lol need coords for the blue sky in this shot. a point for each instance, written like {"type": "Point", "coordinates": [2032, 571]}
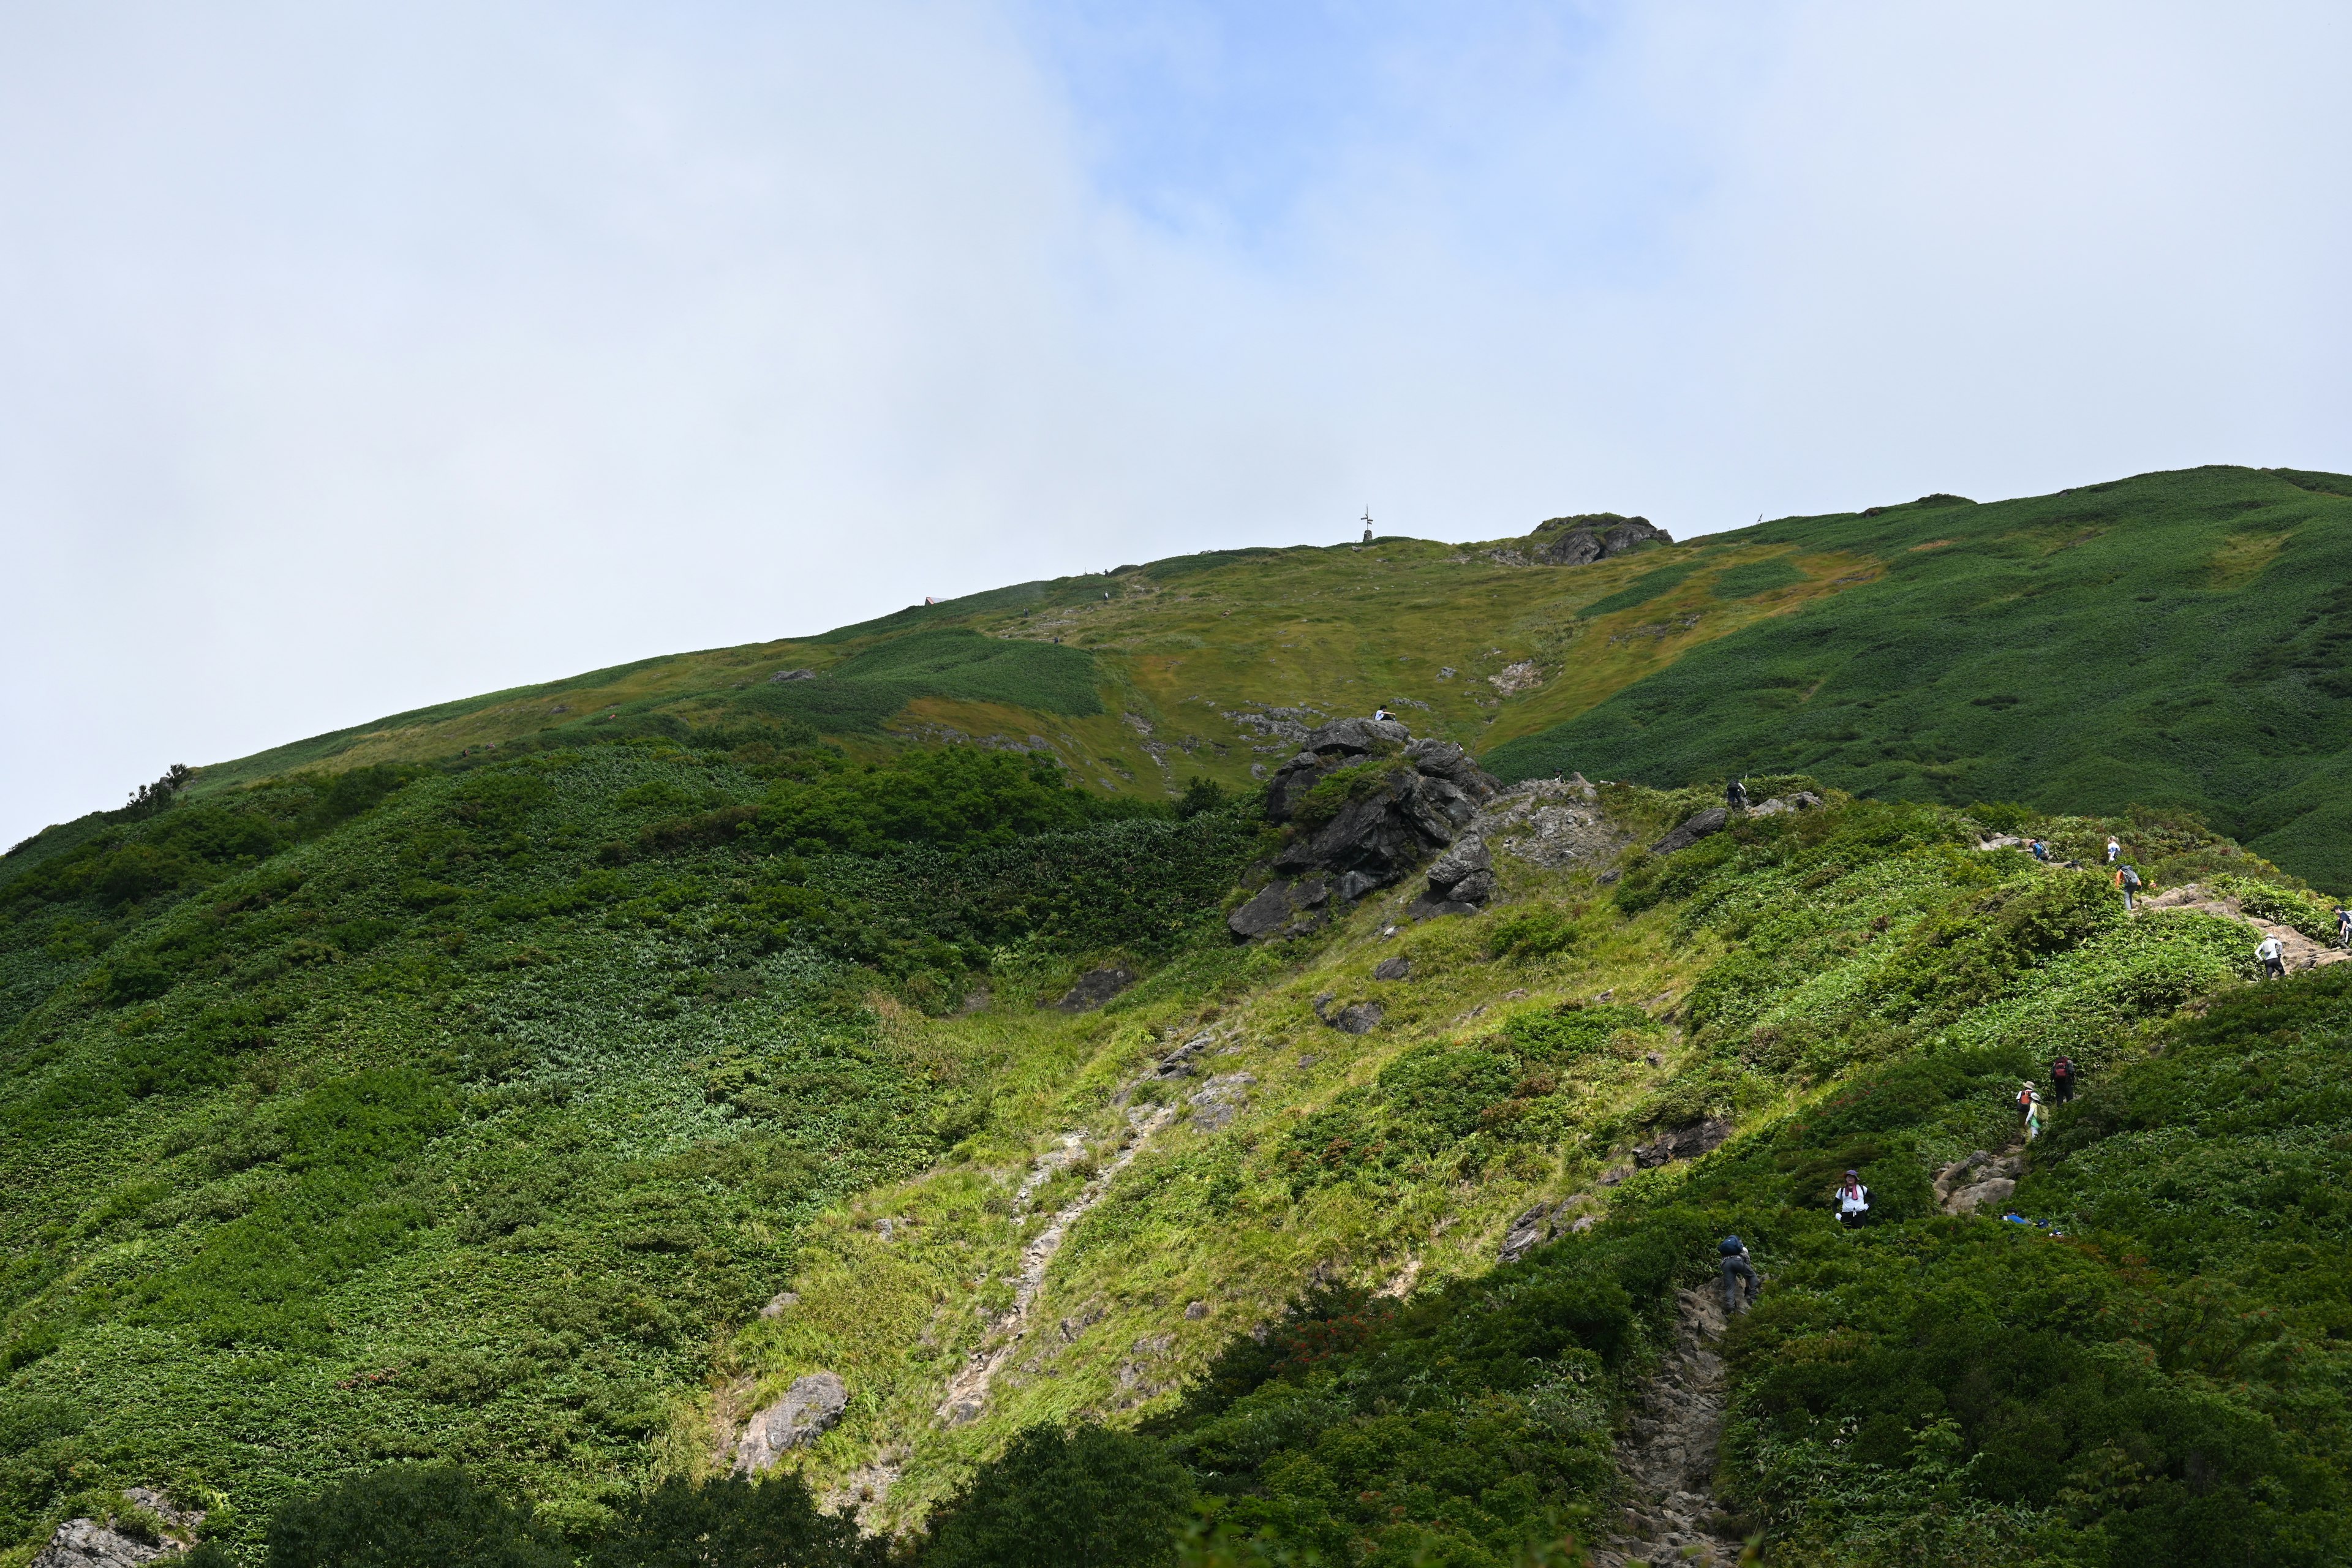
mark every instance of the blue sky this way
{"type": "Point", "coordinates": [360, 357]}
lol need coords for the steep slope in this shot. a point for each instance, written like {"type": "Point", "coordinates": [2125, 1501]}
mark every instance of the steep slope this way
{"type": "Point", "coordinates": [557, 1116]}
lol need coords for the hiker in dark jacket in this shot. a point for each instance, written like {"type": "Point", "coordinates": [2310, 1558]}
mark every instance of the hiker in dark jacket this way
{"type": "Point", "coordinates": [2344, 927]}
{"type": "Point", "coordinates": [1735, 795]}
{"type": "Point", "coordinates": [1737, 1268]}
{"type": "Point", "coordinates": [2062, 1079]}
{"type": "Point", "coordinates": [2128, 881]}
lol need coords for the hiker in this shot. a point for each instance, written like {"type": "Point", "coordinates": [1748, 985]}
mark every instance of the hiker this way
{"type": "Point", "coordinates": [1735, 795]}
{"type": "Point", "coordinates": [2344, 927]}
{"type": "Point", "coordinates": [1737, 1267]}
{"type": "Point", "coordinates": [2062, 1079]}
{"type": "Point", "coordinates": [2115, 851]}
{"type": "Point", "coordinates": [1382, 716]}
{"type": "Point", "coordinates": [2029, 1101]}
{"type": "Point", "coordinates": [2272, 952]}
{"type": "Point", "coordinates": [1852, 1199]}
{"type": "Point", "coordinates": [2128, 881]}
{"type": "Point", "coordinates": [2041, 850]}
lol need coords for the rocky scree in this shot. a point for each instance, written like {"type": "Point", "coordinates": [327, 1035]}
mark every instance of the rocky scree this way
{"type": "Point", "coordinates": [1393, 821]}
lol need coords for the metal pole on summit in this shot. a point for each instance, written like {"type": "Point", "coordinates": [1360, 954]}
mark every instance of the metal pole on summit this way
{"type": "Point", "coordinates": [1367, 525]}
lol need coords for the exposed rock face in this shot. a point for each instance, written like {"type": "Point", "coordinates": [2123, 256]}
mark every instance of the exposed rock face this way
{"type": "Point", "coordinates": [1595, 536]}
{"type": "Point", "coordinates": [1461, 880]}
{"type": "Point", "coordinates": [1219, 1101]}
{"type": "Point", "coordinates": [1093, 988]}
{"type": "Point", "coordinates": [1538, 1225]}
{"type": "Point", "coordinates": [1693, 829]}
{"type": "Point", "coordinates": [1551, 823]}
{"type": "Point", "coordinates": [86, 1544]}
{"type": "Point", "coordinates": [1396, 968]}
{"type": "Point", "coordinates": [794, 675]}
{"type": "Point", "coordinates": [1688, 1143]}
{"type": "Point", "coordinates": [806, 1413]}
{"type": "Point", "coordinates": [1431, 790]}
{"type": "Point", "coordinates": [1982, 1181]}
{"type": "Point", "coordinates": [1802, 800]}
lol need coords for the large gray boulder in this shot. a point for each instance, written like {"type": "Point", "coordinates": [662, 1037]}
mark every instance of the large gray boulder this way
{"type": "Point", "coordinates": [1686, 1143]}
{"type": "Point", "coordinates": [86, 1544]}
{"type": "Point", "coordinates": [1461, 880]}
{"type": "Point", "coordinates": [1694, 828]}
{"type": "Point", "coordinates": [806, 1413]}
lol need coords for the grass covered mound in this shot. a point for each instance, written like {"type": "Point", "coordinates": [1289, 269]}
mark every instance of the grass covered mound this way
{"type": "Point", "coordinates": [2175, 639]}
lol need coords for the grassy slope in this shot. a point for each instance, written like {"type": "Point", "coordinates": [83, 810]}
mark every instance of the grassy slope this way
{"type": "Point", "coordinates": [2175, 639]}
{"type": "Point", "coordinates": [436, 1137]}
{"type": "Point", "coordinates": [2172, 639]}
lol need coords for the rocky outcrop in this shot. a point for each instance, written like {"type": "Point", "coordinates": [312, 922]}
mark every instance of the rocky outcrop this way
{"type": "Point", "coordinates": [1551, 823]}
{"type": "Point", "coordinates": [1694, 828]}
{"type": "Point", "coordinates": [1219, 1101]}
{"type": "Point", "coordinates": [1802, 800]}
{"type": "Point", "coordinates": [1355, 1018]}
{"type": "Point", "coordinates": [1982, 1181]}
{"type": "Point", "coordinates": [1595, 536]}
{"type": "Point", "coordinates": [806, 1413]}
{"type": "Point", "coordinates": [86, 1544]}
{"type": "Point", "coordinates": [1541, 1223]}
{"type": "Point", "coordinates": [1688, 1143]}
{"type": "Point", "coordinates": [1093, 988]}
{"type": "Point", "coordinates": [1461, 880]}
{"type": "Point", "coordinates": [1426, 792]}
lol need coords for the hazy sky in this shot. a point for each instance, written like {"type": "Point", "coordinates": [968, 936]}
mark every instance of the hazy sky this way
{"type": "Point", "coordinates": [356, 357]}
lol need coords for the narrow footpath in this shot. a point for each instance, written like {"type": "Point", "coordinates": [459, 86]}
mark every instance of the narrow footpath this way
{"type": "Point", "coordinates": [1668, 1453]}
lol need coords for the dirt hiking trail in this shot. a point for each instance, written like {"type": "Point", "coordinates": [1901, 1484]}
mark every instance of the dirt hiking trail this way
{"type": "Point", "coordinates": [1669, 1449]}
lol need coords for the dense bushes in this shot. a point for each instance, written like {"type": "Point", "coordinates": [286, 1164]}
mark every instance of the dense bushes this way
{"type": "Point", "coordinates": [1089, 1498]}
{"type": "Point", "coordinates": [1469, 1427]}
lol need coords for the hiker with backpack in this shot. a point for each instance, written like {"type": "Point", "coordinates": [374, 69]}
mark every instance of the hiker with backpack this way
{"type": "Point", "coordinates": [2344, 927]}
{"type": "Point", "coordinates": [1735, 795]}
{"type": "Point", "coordinates": [2272, 952]}
{"type": "Point", "coordinates": [2128, 881]}
{"type": "Point", "coordinates": [2062, 1079]}
{"type": "Point", "coordinates": [2029, 1101]}
{"type": "Point", "coordinates": [2041, 850]}
{"type": "Point", "coordinates": [2114, 849]}
{"type": "Point", "coordinates": [1852, 1200]}
{"type": "Point", "coordinates": [1737, 1268]}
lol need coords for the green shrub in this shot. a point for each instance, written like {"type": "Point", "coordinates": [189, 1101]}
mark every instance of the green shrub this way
{"type": "Point", "coordinates": [1337, 791]}
{"type": "Point", "coordinates": [410, 1516]}
{"type": "Point", "coordinates": [731, 1523]}
{"type": "Point", "coordinates": [1534, 930]}
{"type": "Point", "coordinates": [1087, 1498]}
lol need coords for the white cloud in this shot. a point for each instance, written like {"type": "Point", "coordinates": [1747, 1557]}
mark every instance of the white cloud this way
{"type": "Point", "coordinates": [358, 358]}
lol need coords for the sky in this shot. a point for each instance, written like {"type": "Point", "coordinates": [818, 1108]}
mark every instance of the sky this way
{"type": "Point", "coordinates": [358, 357]}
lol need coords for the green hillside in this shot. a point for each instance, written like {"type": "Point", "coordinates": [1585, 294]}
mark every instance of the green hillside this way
{"type": "Point", "coordinates": [405, 1134]}
{"type": "Point", "coordinates": [2174, 639]}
